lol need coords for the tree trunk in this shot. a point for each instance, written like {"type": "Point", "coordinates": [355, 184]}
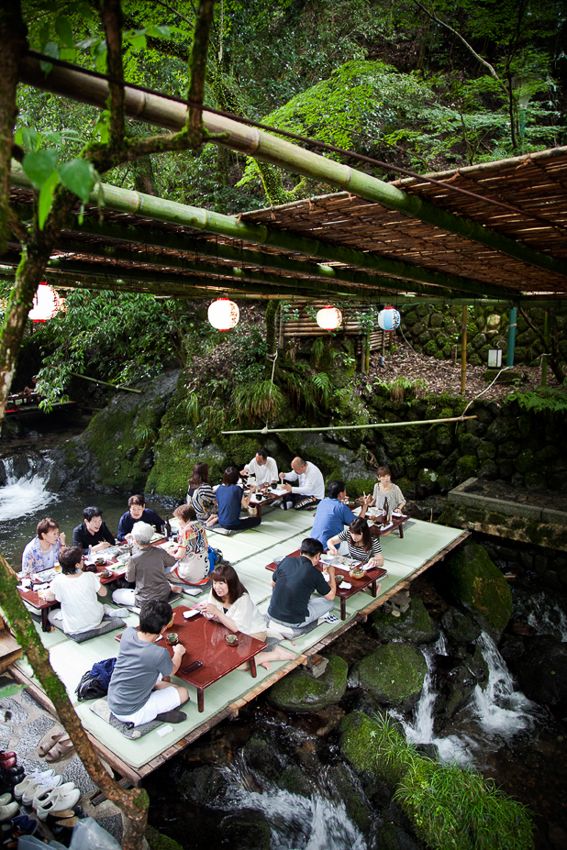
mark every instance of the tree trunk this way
{"type": "Point", "coordinates": [13, 41]}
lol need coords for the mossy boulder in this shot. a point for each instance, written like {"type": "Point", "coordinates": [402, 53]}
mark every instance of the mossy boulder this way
{"type": "Point", "coordinates": [477, 584]}
{"type": "Point", "coordinates": [300, 692]}
{"type": "Point", "coordinates": [413, 626]}
{"type": "Point", "coordinates": [393, 673]}
{"type": "Point", "coordinates": [158, 841]}
{"type": "Point", "coordinates": [459, 627]}
{"type": "Point", "coordinates": [359, 743]}
{"type": "Point", "coordinates": [246, 831]}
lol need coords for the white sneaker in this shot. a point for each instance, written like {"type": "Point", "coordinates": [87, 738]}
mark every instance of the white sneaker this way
{"type": "Point", "coordinates": [32, 779]}
{"type": "Point", "coordinates": [41, 786]}
{"type": "Point", "coordinates": [58, 801]}
{"type": "Point", "coordinates": [9, 811]}
{"type": "Point", "coordinates": [43, 795]}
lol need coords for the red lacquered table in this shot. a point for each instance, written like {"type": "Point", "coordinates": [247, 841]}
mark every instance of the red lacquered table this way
{"type": "Point", "coordinates": [370, 579]}
{"type": "Point", "coordinates": [205, 641]}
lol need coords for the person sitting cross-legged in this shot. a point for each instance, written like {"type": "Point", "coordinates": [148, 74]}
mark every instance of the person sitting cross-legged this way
{"type": "Point", "coordinates": [77, 592]}
{"type": "Point", "coordinates": [137, 692]}
{"type": "Point", "coordinates": [231, 500]}
{"type": "Point", "coordinates": [138, 512]}
{"type": "Point", "coordinates": [309, 486]}
{"type": "Point", "coordinates": [293, 582]}
{"type": "Point", "coordinates": [147, 570]}
{"type": "Point", "coordinates": [333, 514]}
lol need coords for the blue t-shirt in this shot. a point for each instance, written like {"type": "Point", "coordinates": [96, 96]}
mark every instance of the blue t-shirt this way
{"type": "Point", "coordinates": [330, 519]}
{"type": "Point", "coordinates": [229, 498]}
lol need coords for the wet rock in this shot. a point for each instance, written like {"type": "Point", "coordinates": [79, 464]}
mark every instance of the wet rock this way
{"type": "Point", "coordinates": [414, 626]}
{"type": "Point", "coordinates": [351, 792]}
{"type": "Point", "coordinates": [248, 831]}
{"type": "Point", "coordinates": [459, 627]}
{"type": "Point", "coordinates": [393, 837]}
{"type": "Point", "coordinates": [260, 755]}
{"type": "Point", "coordinates": [201, 785]}
{"type": "Point", "coordinates": [300, 692]}
{"type": "Point", "coordinates": [394, 674]}
{"type": "Point", "coordinates": [546, 683]}
{"type": "Point", "coordinates": [456, 684]}
{"type": "Point", "coordinates": [357, 744]}
{"type": "Point", "coordinates": [476, 582]}
{"type": "Point", "coordinates": [294, 780]}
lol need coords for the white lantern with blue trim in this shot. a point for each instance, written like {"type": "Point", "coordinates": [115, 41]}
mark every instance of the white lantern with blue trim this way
{"type": "Point", "coordinates": [389, 318]}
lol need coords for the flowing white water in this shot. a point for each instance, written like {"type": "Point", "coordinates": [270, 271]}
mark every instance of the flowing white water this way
{"type": "Point", "coordinates": [23, 496]}
{"type": "Point", "coordinates": [500, 708]}
{"type": "Point", "coordinates": [420, 730]}
{"type": "Point", "coordinates": [546, 617]}
{"type": "Point", "coordinates": [296, 822]}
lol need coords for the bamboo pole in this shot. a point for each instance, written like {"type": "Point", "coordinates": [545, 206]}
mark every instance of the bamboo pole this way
{"type": "Point", "coordinates": [154, 109]}
{"type": "Point", "coordinates": [148, 206]}
{"type": "Point", "coordinates": [353, 427]}
{"type": "Point", "coordinates": [464, 319]}
{"type": "Point", "coordinates": [106, 383]}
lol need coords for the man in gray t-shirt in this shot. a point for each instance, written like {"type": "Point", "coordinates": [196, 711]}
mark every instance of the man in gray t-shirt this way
{"type": "Point", "coordinates": [147, 570]}
{"type": "Point", "coordinates": [136, 693]}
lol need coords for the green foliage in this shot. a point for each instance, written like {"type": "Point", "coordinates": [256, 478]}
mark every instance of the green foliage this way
{"type": "Point", "coordinates": [120, 338]}
{"type": "Point", "coordinates": [259, 400]}
{"type": "Point", "coordinates": [402, 388]}
{"type": "Point", "coordinates": [543, 400]}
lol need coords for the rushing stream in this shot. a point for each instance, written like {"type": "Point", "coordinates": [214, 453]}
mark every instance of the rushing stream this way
{"type": "Point", "coordinates": [496, 716]}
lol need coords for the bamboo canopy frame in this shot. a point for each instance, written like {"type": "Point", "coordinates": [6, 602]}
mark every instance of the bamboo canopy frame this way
{"type": "Point", "coordinates": [377, 241]}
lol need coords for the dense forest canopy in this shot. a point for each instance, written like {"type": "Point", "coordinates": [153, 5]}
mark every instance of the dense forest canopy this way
{"type": "Point", "coordinates": [424, 85]}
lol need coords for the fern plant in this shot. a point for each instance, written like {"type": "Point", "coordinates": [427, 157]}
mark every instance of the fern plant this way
{"type": "Point", "coordinates": [258, 400]}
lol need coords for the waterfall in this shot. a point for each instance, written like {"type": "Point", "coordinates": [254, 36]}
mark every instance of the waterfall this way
{"type": "Point", "coordinates": [546, 617]}
{"type": "Point", "coordinates": [296, 822]}
{"type": "Point", "coordinates": [420, 730]}
{"type": "Point", "coordinates": [28, 493]}
{"type": "Point", "coordinates": [501, 709]}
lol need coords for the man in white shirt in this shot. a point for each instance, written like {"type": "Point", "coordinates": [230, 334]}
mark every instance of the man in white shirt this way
{"type": "Point", "coordinates": [263, 467]}
{"type": "Point", "coordinates": [310, 487]}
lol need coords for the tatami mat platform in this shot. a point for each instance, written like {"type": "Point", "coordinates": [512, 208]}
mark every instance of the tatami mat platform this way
{"type": "Point", "coordinates": [280, 533]}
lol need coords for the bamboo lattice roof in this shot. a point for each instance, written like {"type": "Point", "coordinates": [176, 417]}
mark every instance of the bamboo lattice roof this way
{"type": "Point", "coordinates": [523, 199]}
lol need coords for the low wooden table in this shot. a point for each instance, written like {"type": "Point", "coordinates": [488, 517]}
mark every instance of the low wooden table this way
{"type": "Point", "coordinates": [266, 502]}
{"type": "Point", "coordinates": [33, 598]}
{"type": "Point", "coordinates": [205, 641]}
{"type": "Point", "coordinates": [375, 521]}
{"type": "Point", "coordinates": [370, 579]}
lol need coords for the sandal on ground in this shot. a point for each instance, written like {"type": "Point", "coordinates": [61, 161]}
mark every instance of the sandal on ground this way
{"type": "Point", "coordinates": [48, 741]}
{"type": "Point", "coordinates": [62, 749]}
{"type": "Point", "coordinates": [173, 716]}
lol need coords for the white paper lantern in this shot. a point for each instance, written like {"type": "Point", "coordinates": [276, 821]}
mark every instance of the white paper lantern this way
{"type": "Point", "coordinates": [389, 319]}
{"type": "Point", "coordinates": [329, 318]}
{"type": "Point", "coordinates": [46, 304]}
{"type": "Point", "coordinates": [223, 314]}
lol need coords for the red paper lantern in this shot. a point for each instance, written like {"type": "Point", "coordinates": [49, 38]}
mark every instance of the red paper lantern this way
{"type": "Point", "coordinates": [223, 314]}
{"type": "Point", "coordinates": [329, 318]}
{"type": "Point", "coordinates": [46, 304]}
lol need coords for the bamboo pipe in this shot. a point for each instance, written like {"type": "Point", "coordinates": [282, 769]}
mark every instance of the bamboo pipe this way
{"type": "Point", "coordinates": [267, 430]}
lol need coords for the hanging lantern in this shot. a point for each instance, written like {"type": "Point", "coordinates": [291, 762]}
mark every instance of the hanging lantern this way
{"type": "Point", "coordinates": [389, 318]}
{"type": "Point", "coordinates": [329, 318]}
{"type": "Point", "coordinates": [46, 304]}
{"type": "Point", "coordinates": [223, 314]}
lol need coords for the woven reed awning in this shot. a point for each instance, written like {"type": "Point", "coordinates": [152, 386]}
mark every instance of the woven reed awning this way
{"type": "Point", "coordinates": [336, 245]}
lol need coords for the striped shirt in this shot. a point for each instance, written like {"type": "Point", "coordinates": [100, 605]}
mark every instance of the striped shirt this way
{"type": "Point", "coordinates": [357, 551]}
{"type": "Point", "coordinates": [202, 498]}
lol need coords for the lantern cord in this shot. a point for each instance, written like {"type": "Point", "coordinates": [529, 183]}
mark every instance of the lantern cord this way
{"type": "Point", "coordinates": [266, 430]}
{"type": "Point", "coordinates": [482, 392]}
{"type": "Point", "coordinates": [273, 357]}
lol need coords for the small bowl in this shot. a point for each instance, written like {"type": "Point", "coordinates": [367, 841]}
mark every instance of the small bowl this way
{"type": "Point", "coordinates": [106, 574]}
{"type": "Point", "coordinates": [231, 640]}
{"type": "Point", "coordinates": [339, 579]}
{"type": "Point", "coordinates": [172, 638]}
{"type": "Point", "coordinates": [100, 561]}
{"type": "Point", "coordinates": [357, 573]}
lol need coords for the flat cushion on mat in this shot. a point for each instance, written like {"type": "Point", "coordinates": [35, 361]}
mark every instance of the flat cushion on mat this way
{"type": "Point", "coordinates": [106, 626]}
{"type": "Point", "coordinates": [101, 709]}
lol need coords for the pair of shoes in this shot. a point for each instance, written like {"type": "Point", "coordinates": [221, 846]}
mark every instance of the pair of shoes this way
{"type": "Point", "coordinates": [8, 811]}
{"type": "Point", "coordinates": [173, 716]}
{"type": "Point", "coordinates": [34, 776]}
{"type": "Point", "coordinates": [61, 799]}
{"type": "Point", "coordinates": [329, 618]}
{"type": "Point", "coordinates": [28, 791]}
{"type": "Point", "coordinates": [5, 799]}
{"type": "Point", "coordinates": [49, 740]}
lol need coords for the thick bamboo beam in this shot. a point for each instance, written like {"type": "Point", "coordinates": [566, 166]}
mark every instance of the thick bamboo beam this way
{"type": "Point", "coordinates": [371, 290]}
{"type": "Point", "coordinates": [148, 206]}
{"type": "Point", "coordinates": [167, 113]}
{"type": "Point", "coordinates": [244, 255]}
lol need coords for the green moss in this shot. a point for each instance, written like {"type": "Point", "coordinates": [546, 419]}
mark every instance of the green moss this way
{"type": "Point", "coordinates": [358, 486]}
{"type": "Point", "coordinates": [415, 625]}
{"type": "Point", "coordinates": [158, 841]}
{"type": "Point", "coordinates": [393, 673]}
{"type": "Point", "coordinates": [301, 692]}
{"type": "Point", "coordinates": [478, 584]}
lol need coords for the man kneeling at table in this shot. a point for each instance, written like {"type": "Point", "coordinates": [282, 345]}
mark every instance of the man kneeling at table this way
{"type": "Point", "coordinates": [137, 693]}
{"type": "Point", "coordinates": [147, 570]}
{"type": "Point", "coordinates": [77, 592]}
{"type": "Point", "coordinates": [333, 514]}
{"type": "Point", "coordinates": [293, 582]}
